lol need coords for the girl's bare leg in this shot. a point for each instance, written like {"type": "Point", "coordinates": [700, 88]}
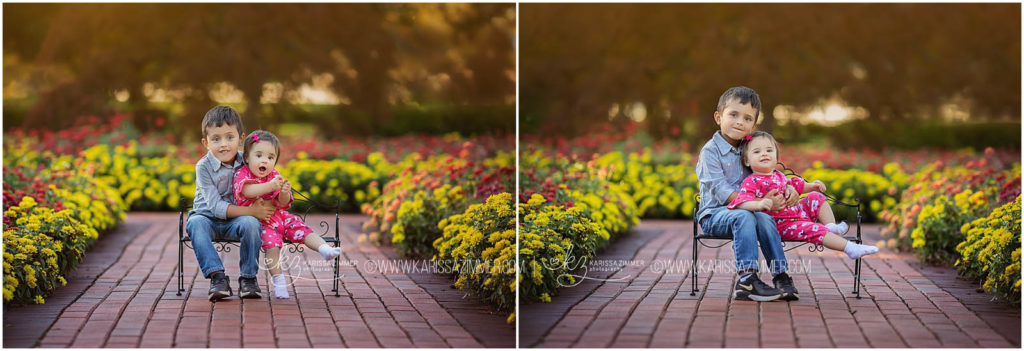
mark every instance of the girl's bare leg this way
{"type": "Point", "coordinates": [273, 261]}
{"type": "Point", "coordinates": [825, 215]}
{"type": "Point", "coordinates": [834, 242]}
{"type": "Point", "coordinates": [313, 241]}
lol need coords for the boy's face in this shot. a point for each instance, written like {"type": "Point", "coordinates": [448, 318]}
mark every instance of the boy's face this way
{"type": "Point", "coordinates": [736, 120]}
{"type": "Point", "coordinates": [761, 155]}
{"type": "Point", "coordinates": [223, 142]}
{"type": "Point", "coordinates": [262, 158]}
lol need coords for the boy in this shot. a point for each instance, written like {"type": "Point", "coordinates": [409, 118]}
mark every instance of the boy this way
{"type": "Point", "coordinates": [720, 173]}
{"type": "Point", "coordinates": [214, 215]}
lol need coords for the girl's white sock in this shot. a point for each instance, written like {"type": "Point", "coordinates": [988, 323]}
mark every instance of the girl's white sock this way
{"type": "Point", "coordinates": [280, 287]}
{"type": "Point", "coordinates": [855, 250]}
{"type": "Point", "coordinates": [328, 251]}
{"type": "Point", "coordinates": [838, 228]}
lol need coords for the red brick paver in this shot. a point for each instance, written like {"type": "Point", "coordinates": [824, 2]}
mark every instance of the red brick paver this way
{"type": "Point", "coordinates": [133, 303]}
{"type": "Point", "coordinates": [646, 303]}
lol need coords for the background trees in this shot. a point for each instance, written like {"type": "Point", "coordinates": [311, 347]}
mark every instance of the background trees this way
{"type": "Point", "coordinates": [359, 64]}
{"type": "Point", "coordinates": [902, 63]}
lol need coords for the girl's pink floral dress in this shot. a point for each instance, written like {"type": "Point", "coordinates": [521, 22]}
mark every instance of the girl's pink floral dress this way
{"type": "Point", "coordinates": [281, 225]}
{"type": "Point", "coordinates": [794, 223]}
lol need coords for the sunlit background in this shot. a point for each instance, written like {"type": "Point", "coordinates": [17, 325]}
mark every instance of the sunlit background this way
{"type": "Point", "coordinates": [337, 69]}
{"type": "Point", "coordinates": [850, 75]}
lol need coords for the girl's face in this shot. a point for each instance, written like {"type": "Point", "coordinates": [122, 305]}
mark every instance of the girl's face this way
{"type": "Point", "coordinates": [761, 155]}
{"type": "Point", "coordinates": [262, 158]}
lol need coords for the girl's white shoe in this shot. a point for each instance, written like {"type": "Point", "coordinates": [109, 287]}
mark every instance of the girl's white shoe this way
{"type": "Point", "coordinates": [280, 287]}
{"type": "Point", "coordinates": [329, 252]}
{"type": "Point", "coordinates": [838, 228]}
{"type": "Point", "coordinates": [855, 251]}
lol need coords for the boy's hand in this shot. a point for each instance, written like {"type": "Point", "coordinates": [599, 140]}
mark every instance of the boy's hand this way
{"type": "Point", "coordinates": [262, 210]}
{"type": "Point", "coordinates": [778, 201]}
{"type": "Point", "coordinates": [276, 182]}
{"type": "Point", "coordinates": [818, 186]}
{"type": "Point", "coordinates": [792, 196]}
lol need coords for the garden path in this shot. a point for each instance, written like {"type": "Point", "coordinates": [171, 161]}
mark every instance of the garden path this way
{"type": "Point", "coordinates": [123, 294]}
{"type": "Point", "coordinates": [640, 300]}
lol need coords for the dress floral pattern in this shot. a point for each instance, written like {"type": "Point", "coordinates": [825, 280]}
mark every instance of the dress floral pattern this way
{"type": "Point", "coordinates": [793, 223]}
{"type": "Point", "coordinates": [282, 225]}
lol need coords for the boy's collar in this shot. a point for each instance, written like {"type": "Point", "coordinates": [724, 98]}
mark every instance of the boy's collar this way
{"type": "Point", "coordinates": [723, 146]}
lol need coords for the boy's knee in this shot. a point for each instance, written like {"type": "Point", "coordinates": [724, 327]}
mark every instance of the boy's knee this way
{"type": "Point", "coordinates": [763, 218]}
{"type": "Point", "coordinates": [250, 225]}
{"type": "Point", "coordinates": [741, 215]}
{"type": "Point", "coordinates": [198, 224]}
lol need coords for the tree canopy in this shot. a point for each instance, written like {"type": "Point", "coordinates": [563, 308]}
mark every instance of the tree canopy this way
{"type": "Point", "coordinates": [897, 61]}
{"type": "Point", "coordinates": [74, 58]}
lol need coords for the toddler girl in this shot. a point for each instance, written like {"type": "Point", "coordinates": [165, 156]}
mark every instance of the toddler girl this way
{"type": "Point", "coordinates": [760, 153]}
{"type": "Point", "coordinates": [258, 179]}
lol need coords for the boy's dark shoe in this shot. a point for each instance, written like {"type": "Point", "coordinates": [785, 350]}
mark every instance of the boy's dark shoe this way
{"type": "Point", "coordinates": [219, 286]}
{"type": "Point", "coordinates": [248, 288]}
{"type": "Point", "coordinates": [750, 287]}
{"type": "Point", "coordinates": [783, 282]}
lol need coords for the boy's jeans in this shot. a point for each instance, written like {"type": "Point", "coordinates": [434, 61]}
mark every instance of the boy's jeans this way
{"type": "Point", "coordinates": [747, 229]}
{"type": "Point", "coordinates": [245, 229]}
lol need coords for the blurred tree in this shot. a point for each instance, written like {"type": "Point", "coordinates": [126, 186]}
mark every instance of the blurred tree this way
{"type": "Point", "coordinates": [83, 55]}
{"type": "Point", "coordinates": [899, 61]}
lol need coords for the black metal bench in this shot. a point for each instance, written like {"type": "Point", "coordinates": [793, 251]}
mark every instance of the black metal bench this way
{"type": "Point", "coordinates": [300, 207]}
{"type": "Point", "coordinates": [699, 237]}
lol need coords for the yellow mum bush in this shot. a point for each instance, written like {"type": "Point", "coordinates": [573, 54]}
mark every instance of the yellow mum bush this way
{"type": "Point", "coordinates": [938, 201]}
{"type": "Point", "coordinates": [42, 244]}
{"type": "Point", "coordinates": [411, 206]}
{"type": "Point", "coordinates": [876, 192]}
{"type": "Point", "coordinates": [554, 242]}
{"type": "Point", "coordinates": [991, 251]}
{"type": "Point", "coordinates": [479, 246]}
{"type": "Point", "coordinates": [659, 190]}
{"type": "Point", "coordinates": [569, 211]}
{"type": "Point", "coordinates": [330, 182]}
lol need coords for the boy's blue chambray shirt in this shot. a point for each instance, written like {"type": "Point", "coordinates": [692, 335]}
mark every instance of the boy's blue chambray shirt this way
{"type": "Point", "coordinates": [214, 186]}
{"type": "Point", "coordinates": [720, 173]}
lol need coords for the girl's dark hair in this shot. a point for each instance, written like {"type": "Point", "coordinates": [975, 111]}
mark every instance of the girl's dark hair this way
{"type": "Point", "coordinates": [263, 136]}
{"type": "Point", "coordinates": [745, 144]}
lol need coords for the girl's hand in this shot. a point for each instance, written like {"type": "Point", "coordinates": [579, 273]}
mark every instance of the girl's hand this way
{"type": "Point", "coordinates": [765, 205]}
{"type": "Point", "coordinates": [276, 182]}
{"type": "Point", "coordinates": [818, 185]}
{"type": "Point", "coordinates": [286, 187]}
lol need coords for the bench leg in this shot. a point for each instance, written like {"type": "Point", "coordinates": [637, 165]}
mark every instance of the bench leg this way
{"type": "Point", "coordinates": [856, 278]}
{"type": "Point", "coordinates": [181, 270]}
{"type": "Point", "coordinates": [693, 268]}
{"type": "Point", "coordinates": [337, 260]}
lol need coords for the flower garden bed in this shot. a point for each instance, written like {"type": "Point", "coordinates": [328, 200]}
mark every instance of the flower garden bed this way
{"type": "Point", "coordinates": [52, 214]}
{"type": "Point", "coordinates": [925, 203]}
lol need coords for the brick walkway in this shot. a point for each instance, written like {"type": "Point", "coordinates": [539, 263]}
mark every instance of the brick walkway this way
{"type": "Point", "coordinates": [640, 301]}
{"type": "Point", "coordinates": [123, 295]}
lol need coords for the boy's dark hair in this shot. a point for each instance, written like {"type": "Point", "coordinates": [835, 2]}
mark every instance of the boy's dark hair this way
{"type": "Point", "coordinates": [745, 144]}
{"type": "Point", "coordinates": [221, 115]}
{"type": "Point", "coordinates": [745, 95]}
{"type": "Point", "coordinates": [263, 136]}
